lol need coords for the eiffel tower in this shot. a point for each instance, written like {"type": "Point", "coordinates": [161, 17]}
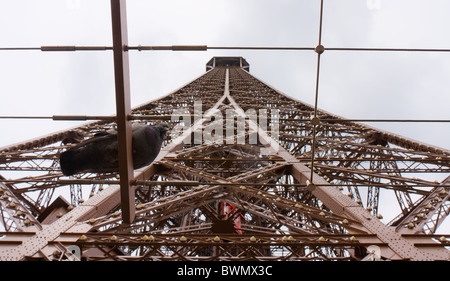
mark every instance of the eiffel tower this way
{"type": "Point", "coordinates": [247, 173]}
{"type": "Point", "coordinates": [212, 195]}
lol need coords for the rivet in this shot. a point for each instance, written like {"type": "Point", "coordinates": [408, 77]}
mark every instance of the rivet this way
{"type": "Point", "coordinates": [148, 238]}
{"type": "Point", "coordinates": [315, 120]}
{"type": "Point", "coordinates": [310, 186]}
{"type": "Point", "coordinates": [320, 49]}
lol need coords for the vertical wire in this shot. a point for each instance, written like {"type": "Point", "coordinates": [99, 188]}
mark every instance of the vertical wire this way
{"type": "Point", "coordinates": [320, 22]}
{"type": "Point", "coordinates": [316, 93]}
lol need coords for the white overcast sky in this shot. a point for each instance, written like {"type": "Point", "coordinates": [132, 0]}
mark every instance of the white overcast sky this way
{"type": "Point", "coordinates": [406, 85]}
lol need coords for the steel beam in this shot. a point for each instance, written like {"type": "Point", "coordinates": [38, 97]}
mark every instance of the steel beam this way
{"type": "Point", "coordinates": [37, 242]}
{"type": "Point", "coordinates": [123, 108]}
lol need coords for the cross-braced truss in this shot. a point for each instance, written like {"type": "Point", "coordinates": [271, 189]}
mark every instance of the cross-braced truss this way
{"type": "Point", "coordinates": [289, 188]}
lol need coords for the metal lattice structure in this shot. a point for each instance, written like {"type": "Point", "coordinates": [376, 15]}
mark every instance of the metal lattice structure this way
{"type": "Point", "coordinates": [287, 182]}
{"type": "Point", "coordinates": [229, 201]}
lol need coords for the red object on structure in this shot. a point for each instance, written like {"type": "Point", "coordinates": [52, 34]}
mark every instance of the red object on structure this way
{"type": "Point", "coordinates": [227, 209]}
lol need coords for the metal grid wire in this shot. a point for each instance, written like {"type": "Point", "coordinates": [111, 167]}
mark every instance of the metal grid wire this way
{"type": "Point", "coordinates": [319, 49]}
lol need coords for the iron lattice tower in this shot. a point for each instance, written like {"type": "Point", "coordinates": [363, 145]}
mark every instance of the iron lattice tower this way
{"type": "Point", "coordinates": [318, 195]}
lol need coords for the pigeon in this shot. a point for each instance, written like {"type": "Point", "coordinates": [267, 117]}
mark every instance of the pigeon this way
{"type": "Point", "coordinates": [99, 154]}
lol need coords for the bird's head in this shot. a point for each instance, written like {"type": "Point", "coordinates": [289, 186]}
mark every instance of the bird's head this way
{"type": "Point", "coordinates": [163, 128]}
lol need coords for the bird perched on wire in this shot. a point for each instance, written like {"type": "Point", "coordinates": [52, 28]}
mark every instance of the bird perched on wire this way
{"type": "Point", "coordinates": [99, 154]}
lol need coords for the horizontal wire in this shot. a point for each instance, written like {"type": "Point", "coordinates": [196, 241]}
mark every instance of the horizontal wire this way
{"type": "Point", "coordinates": [263, 48]}
{"type": "Point", "coordinates": [62, 117]}
{"type": "Point", "coordinates": [389, 49]}
{"type": "Point", "coordinates": [149, 48]}
{"type": "Point", "coordinates": [20, 49]}
{"type": "Point", "coordinates": [168, 117]}
{"type": "Point", "coordinates": [389, 120]}
{"type": "Point", "coordinates": [92, 117]}
{"type": "Point", "coordinates": [58, 48]}
{"type": "Point", "coordinates": [205, 48]}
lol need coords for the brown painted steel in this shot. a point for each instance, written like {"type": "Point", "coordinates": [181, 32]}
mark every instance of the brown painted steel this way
{"type": "Point", "coordinates": [277, 214]}
{"type": "Point", "coordinates": [123, 107]}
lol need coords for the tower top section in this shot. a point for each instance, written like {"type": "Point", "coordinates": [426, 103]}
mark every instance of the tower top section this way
{"type": "Point", "coordinates": [227, 61]}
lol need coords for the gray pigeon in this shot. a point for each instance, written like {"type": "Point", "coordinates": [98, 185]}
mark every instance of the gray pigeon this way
{"type": "Point", "coordinates": [99, 154]}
